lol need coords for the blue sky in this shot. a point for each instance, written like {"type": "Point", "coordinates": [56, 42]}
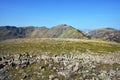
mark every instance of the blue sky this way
{"type": "Point", "coordinates": [81, 14]}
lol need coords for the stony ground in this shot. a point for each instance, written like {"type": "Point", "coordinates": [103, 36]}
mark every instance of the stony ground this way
{"type": "Point", "coordinates": [59, 59]}
{"type": "Point", "coordinates": [73, 66]}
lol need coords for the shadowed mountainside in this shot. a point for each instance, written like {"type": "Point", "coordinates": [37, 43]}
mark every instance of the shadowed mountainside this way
{"type": "Point", "coordinates": [108, 34]}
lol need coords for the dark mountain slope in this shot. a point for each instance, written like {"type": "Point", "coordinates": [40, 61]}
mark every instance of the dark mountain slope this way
{"type": "Point", "coordinates": [9, 32]}
{"type": "Point", "coordinates": [109, 34]}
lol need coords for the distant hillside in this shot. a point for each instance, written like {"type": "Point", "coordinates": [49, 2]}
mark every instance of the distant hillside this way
{"type": "Point", "coordinates": [64, 31]}
{"type": "Point", "coordinates": [10, 32]}
{"type": "Point", "coordinates": [109, 34]}
{"type": "Point", "coordinates": [59, 31]}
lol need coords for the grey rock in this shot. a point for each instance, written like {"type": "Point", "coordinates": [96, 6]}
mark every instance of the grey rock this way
{"type": "Point", "coordinates": [4, 75]}
{"type": "Point", "coordinates": [53, 77]}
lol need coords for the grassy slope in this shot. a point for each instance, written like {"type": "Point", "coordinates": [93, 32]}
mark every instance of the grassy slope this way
{"type": "Point", "coordinates": [73, 33]}
{"type": "Point", "coordinates": [37, 46]}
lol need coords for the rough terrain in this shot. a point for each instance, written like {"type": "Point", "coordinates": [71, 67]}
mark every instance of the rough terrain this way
{"type": "Point", "coordinates": [74, 66]}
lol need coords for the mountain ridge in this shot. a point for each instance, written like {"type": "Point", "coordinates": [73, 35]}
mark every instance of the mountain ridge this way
{"type": "Point", "coordinates": [58, 31]}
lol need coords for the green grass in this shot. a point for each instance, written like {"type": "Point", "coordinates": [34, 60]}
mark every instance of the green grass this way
{"type": "Point", "coordinates": [38, 46]}
{"type": "Point", "coordinates": [108, 66]}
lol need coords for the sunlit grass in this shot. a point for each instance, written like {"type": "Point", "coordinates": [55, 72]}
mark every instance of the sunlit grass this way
{"type": "Point", "coordinates": [38, 46]}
